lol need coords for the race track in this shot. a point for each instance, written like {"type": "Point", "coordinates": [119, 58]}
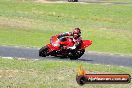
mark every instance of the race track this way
{"type": "Point", "coordinates": [32, 53]}
{"type": "Point", "coordinates": [93, 1]}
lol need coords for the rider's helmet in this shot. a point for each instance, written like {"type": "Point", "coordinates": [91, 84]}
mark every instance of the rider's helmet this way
{"type": "Point", "coordinates": [76, 33]}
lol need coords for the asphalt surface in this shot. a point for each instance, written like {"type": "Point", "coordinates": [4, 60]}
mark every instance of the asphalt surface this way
{"type": "Point", "coordinates": [95, 1]}
{"type": "Point", "coordinates": [109, 2]}
{"type": "Point", "coordinates": [32, 53]}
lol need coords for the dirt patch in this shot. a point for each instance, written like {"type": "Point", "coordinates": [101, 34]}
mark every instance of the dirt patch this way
{"type": "Point", "coordinates": [42, 1]}
{"type": "Point", "coordinates": [46, 1]}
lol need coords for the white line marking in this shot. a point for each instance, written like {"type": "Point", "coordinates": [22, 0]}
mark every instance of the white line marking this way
{"type": "Point", "coordinates": [18, 58]}
{"type": "Point", "coordinates": [8, 57]}
{"type": "Point", "coordinates": [35, 59]}
{"type": "Point", "coordinates": [122, 66]}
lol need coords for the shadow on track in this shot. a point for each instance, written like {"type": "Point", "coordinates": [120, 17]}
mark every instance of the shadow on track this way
{"type": "Point", "coordinates": [65, 59]}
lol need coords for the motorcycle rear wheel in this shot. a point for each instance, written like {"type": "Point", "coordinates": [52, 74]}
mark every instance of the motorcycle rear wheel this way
{"type": "Point", "coordinates": [77, 55]}
{"type": "Point", "coordinates": [81, 53]}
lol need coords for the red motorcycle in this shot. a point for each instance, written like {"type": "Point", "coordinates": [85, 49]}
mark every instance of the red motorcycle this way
{"type": "Point", "coordinates": [56, 48]}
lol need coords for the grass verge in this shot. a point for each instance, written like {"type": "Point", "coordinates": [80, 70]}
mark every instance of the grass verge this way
{"type": "Point", "coordinates": [52, 74]}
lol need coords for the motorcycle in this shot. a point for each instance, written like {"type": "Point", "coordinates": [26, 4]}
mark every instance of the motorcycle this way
{"type": "Point", "coordinates": [56, 48]}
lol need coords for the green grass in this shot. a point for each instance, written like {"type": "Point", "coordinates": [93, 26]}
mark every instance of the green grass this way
{"type": "Point", "coordinates": [52, 74]}
{"type": "Point", "coordinates": [26, 23]}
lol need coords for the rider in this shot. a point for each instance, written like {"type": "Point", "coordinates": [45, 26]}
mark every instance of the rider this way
{"type": "Point", "coordinates": [77, 38]}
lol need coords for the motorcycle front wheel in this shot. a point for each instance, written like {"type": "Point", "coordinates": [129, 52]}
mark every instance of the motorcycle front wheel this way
{"type": "Point", "coordinates": [43, 51]}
